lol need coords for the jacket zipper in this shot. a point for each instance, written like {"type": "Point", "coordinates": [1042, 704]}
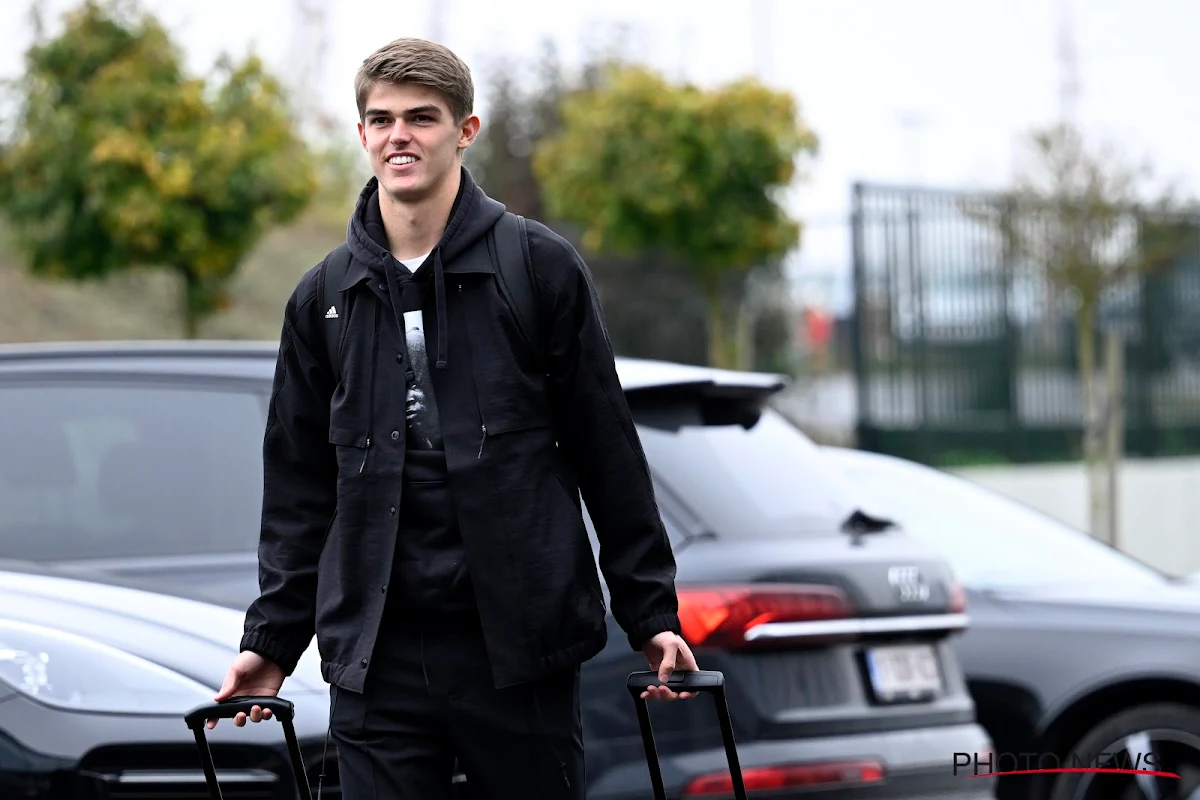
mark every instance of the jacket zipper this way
{"type": "Point", "coordinates": [479, 410]}
{"type": "Point", "coordinates": [371, 396]}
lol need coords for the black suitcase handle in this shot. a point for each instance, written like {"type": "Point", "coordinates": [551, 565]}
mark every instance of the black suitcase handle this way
{"type": "Point", "coordinates": [707, 681]}
{"type": "Point", "coordinates": [281, 709]}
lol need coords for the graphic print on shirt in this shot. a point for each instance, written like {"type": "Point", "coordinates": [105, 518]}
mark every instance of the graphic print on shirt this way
{"type": "Point", "coordinates": [424, 427]}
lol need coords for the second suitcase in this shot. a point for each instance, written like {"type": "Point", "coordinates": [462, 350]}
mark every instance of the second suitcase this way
{"type": "Point", "coordinates": [708, 682]}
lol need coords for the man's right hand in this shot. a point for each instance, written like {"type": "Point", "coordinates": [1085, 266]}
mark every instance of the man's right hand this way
{"type": "Point", "coordinates": [250, 675]}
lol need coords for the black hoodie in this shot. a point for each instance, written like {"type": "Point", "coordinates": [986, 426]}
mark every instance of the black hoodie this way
{"type": "Point", "coordinates": [348, 530]}
{"type": "Point", "coordinates": [431, 584]}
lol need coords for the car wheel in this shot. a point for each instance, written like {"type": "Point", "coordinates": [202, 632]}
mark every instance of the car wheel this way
{"type": "Point", "coordinates": [1160, 738]}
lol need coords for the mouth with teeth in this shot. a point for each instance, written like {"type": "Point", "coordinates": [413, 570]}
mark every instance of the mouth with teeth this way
{"type": "Point", "coordinates": [402, 161]}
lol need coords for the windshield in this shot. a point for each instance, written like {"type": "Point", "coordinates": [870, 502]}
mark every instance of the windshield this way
{"type": "Point", "coordinates": [91, 471]}
{"type": "Point", "coordinates": [766, 481]}
{"type": "Point", "coordinates": [990, 540]}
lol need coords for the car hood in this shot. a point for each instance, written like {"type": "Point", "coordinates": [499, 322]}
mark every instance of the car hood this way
{"type": "Point", "coordinates": [227, 579]}
{"type": "Point", "coordinates": [193, 638]}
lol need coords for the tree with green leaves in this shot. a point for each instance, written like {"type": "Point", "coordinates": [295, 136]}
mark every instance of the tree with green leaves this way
{"type": "Point", "coordinates": [119, 160]}
{"type": "Point", "coordinates": [641, 164]}
{"type": "Point", "coordinates": [1085, 222]}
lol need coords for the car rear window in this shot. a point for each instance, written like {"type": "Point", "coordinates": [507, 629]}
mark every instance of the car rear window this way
{"type": "Point", "coordinates": [100, 471]}
{"type": "Point", "coordinates": [758, 478]}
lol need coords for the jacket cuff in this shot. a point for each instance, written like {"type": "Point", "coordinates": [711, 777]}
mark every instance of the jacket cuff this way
{"type": "Point", "coordinates": [284, 656]}
{"type": "Point", "coordinates": [647, 629]}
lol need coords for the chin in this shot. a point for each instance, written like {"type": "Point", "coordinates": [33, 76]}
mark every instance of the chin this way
{"type": "Point", "coordinates": [405, 189]}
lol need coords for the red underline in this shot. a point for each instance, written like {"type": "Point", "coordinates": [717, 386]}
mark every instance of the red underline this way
{"type": "Point", "coordinates": [1077, 769]}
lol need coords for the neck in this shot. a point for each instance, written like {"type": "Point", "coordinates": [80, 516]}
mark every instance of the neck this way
{"type": "Point", "coordinates": [414, 229]}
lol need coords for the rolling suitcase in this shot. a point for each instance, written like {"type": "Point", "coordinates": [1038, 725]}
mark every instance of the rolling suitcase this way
{"type": "Point", "coordinates": [281, 710]}
{"type": "Point", "coordinates": [706, 681]}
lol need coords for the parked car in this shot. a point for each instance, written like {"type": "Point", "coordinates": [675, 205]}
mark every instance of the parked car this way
{"type": "Point", "coordinates": [95, 677]}
{"type": "Point", "coordinates": [1077, 653]}
{"type": "Point", "coordinates": [140, 464]}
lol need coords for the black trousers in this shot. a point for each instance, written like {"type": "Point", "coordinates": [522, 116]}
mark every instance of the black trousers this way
{"type": "Point", "coordinates": [429, 699]}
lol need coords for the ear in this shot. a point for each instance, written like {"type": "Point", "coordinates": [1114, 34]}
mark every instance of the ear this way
{"type": "Point", "coordinates": [362, 134]}
{"type": "Point", "coordinates": [468, 131]}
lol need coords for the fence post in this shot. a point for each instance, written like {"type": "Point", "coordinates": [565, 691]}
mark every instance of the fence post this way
{"type": "Point", "coordinates": [859, 337]}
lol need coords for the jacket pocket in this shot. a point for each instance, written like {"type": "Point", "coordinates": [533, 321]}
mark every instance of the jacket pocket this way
{"type": "Point", "coordinates": [511, 394]}
{"type": "Point", "coordinates": [350, 408]}
{"type": "Point", "coordinates": [351, 446]}
{"type": "Point", "coordinates": [354, 437]}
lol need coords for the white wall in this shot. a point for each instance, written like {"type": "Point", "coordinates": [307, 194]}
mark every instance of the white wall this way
{"type": "Point", "coordinates": [1159, 503]}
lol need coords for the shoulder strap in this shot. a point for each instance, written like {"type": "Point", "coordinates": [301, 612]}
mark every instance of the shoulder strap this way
{"type": "Point", "coordinates": [333, 274]}
{"type": "Point", "coordinates": [514, 273]}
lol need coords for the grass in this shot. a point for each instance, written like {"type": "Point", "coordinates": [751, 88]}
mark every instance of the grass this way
{"type": "Point", "coordinates": [144, 304]}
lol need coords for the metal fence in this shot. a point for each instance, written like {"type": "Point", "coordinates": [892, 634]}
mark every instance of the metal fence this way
{"type": "Point", "coordinates": [964, 351]}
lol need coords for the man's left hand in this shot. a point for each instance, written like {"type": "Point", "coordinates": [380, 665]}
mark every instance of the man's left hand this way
{"type": "Point", "coordinates": [667, 652]}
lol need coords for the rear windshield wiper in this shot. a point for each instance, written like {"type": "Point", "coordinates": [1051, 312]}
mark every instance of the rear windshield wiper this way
{"type": "Point", "coordinates": [860, 523]}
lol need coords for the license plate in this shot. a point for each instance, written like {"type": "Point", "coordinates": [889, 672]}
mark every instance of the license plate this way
{"type": "Point", "coordinates": [904, 672]}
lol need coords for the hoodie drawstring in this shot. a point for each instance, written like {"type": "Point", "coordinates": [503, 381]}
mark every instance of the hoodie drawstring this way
{"type": "Point", "coordinates": [398, 315]}
{"type": "Point", "coordinates": [439, 290]}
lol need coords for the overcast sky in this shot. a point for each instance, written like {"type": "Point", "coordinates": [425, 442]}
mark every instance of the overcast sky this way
{"type": "Point", "coordinates": [970, 75]}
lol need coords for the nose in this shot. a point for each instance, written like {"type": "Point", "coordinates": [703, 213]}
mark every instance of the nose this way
{"type": "Point", "coordinates": [399, 132]}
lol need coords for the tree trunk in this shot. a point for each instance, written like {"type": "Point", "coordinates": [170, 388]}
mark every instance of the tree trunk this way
{"type": "Point", "coordinates": [747, 317]}
{"type": "Point", "coordinates": [191, 304]}
{"type": "Point", "coordinates": [1114, 426]}
{"type": "Point", "coordinates": [1093, 424]}
{"type": "Point", "coordinates": [722, 331]}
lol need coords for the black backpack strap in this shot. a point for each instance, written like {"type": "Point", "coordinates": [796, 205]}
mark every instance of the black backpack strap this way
{"type": "Point", "coordinates": [333, 274]}
{"type": "Point", "coordinates": [514, 274]}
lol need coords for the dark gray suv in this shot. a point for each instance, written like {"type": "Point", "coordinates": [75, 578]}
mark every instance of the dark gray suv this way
{"type": "Point", "coordinates": [140, 463]}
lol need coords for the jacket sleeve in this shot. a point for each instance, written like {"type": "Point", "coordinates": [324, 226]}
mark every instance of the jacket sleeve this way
{"type": "Point", "coordinates": [597, 435]}
{"type": "Point", "coordinates": [299, 491]}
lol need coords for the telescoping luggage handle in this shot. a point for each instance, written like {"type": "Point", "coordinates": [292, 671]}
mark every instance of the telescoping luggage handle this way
{"type": "Point", "coordinates": [707, 681]}
{"type": "Point", "coordinates": [281, 709]}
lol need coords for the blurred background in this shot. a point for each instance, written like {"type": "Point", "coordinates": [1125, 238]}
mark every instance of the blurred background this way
{"type": "Point", "coordinates": [966, 229]}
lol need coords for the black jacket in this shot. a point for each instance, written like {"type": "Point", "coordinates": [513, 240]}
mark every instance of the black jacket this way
{"type": "Point", "coordinates": [523, 439]}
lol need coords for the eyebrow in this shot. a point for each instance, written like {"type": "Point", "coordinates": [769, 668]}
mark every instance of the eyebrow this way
{"type": "Point", "coordinates": [377, 112]}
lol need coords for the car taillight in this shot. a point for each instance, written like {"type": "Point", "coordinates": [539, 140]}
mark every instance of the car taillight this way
{"type": "Point", "coordinates": [757, 779]}
{"type": "Point", "coordinates": [720, 616]}
{"type": "Point", "coordinates": [958, 598]}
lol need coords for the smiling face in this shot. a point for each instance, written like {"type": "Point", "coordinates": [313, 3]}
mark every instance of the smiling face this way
{"type": "Point", "coordinates": [413, 140]}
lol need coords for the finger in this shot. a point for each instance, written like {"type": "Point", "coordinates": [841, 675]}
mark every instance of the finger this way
{"type": "Point", "coordinates": [232, 678]}
{"type": "Point", "coordinates": [686, 657]}
{"type": "Point", "coordinates": [239, 720]}
{"type": "Point", "coordinates": [667, 666]}
{"type": "Point", "coordinates": [266, 713]}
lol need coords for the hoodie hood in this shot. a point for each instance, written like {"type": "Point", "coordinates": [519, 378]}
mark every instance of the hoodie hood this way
{"type": "Point", "coordinates": [471, 217]}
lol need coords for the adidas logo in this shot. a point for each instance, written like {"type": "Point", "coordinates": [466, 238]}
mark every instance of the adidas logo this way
{"type": "Point", "coordinates": [331, 313]}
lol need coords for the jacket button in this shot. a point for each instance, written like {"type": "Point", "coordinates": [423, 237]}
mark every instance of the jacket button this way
{"type": "Point", "coordinates": [383, 589]}
{"type": "Point", "coordinates": [392, 511]}
{"type": "Point", "coordinates": [395, 435]}
{"type": "Point", "coordinates": [363, 663]}
{"type": "Point", "coordinates": [399, 358]}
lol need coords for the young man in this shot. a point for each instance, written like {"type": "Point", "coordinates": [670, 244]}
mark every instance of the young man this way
{"type": "Point", "coordinates": [421, 510]}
